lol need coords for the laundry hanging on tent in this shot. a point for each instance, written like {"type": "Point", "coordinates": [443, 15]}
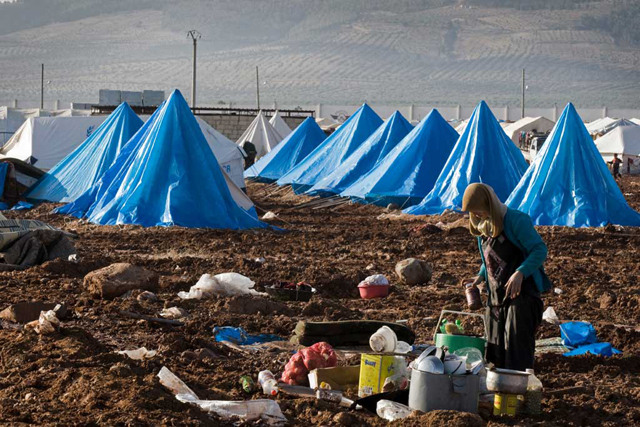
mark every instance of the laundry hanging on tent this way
{"type": "Point", "coordinates": [85, 165]}
{"type": "Point", "coordinates": [288, 153]}
{"type": "Point", "coordinates": [408, 172]}
{"type": "Point", "coordinates": [365, 157]}
{"type": "Point", "coordinates": [483, 153]}
{"type": "Point", "coordinates": [333, 151]}
{"type": "Point", "coordinates": [166, 175]}
{"type": "Point", "coordinates": [568, 182]}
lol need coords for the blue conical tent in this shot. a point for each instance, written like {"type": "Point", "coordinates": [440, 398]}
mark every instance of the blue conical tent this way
{"type": "Point", "coordinates": [365, 157]}
{"type": "Point", "coordinates": [409, 171]}
{"type": "Point", "coordinates": [483, 153]}
{"type": "Point", "coordinates": [288, 153]}
{"type": "Point", "coordinates": [84, 166]}
{"type": "Point", "coordinates": [568, 182]}
{"type": "Point", "coordinates": [333, 151]}
{"type": "Point", "coordinates": [165, 175]}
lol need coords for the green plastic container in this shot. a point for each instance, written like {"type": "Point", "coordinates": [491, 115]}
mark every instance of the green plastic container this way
{"type": "Point", "coordinates": [456, 342]}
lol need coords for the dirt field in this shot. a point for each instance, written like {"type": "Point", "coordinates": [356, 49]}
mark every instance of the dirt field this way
{"type": "Point", "coordinates": [74, 377]}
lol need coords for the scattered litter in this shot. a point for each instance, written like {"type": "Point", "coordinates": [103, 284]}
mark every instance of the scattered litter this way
{"type": "Point", "coordinates": [551, 345]}
{"type": "Point", "coordinates": [73, 258]}
{"type": "Point", "coordinates": [550, 316]}
{"type": "Point", "coordinates": [391, 411]}
{"type": "Point", "coordinates": [269, 215]}
{"type": "Point", "coordinates": [139, 354]}
{"type": "Point", "coordinates": [249, 410]}
{"type": "Point", "coordinates": [260, 260]}
{"type": "Point", "coordinates": [174, 313]}
{"type": "Point", "coordinates": [240, 337]}
{"type": "Point", "coordinates": [48, 322]}
{"type": "Point", "coordinates": [376, 279]}
{"type": "Point", "coordinates": [225, 284]}
{"type": "Point", "coordinates": [374, 286]}
{"type": "Point", "coordinates": [383, 340]}
{"type": "Point", "coordinates": [558, 291]}
{"type": "Point", "coordinates": [268, 382]}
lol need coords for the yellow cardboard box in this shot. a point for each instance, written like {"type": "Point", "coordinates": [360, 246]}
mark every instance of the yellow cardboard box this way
{"type": "Point", "coordinates": [374, 369]}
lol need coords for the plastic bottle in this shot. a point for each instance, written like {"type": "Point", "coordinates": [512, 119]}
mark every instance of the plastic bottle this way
{"type": "Point", "coordinates": [247, 383]}
{"type": "Point", "coordinates": [268, 382]}
{"type": "Point", "coordinates": [533, 396]}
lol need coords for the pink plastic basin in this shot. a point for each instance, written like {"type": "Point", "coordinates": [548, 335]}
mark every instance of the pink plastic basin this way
{"type": "Point", "coordinates": [373, 291]}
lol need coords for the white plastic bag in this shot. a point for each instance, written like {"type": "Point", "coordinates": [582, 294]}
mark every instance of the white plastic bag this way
{"type": "Point", "coordinates": [550, 316]}
{"type": "Point", "coordinates": [48, 322]}
{"type": "Point", "coordinates": [249, 410]}
{"type": "Point", "coordinates": [174, 313]}
{"type": "Point", "coordinates": [139, 354]}
{"type": "Point", "coordinates": [391, 411]}
{"type": "Point", "coordinates": [225, 284]}
{"type": "Point", "coordinates": [376, 279]}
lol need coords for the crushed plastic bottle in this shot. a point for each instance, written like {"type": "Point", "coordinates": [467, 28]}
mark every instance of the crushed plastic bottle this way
{"type": "Point", "coordinates": [248, 385]}
{"type": "Point", "coordinates": [268, 382]}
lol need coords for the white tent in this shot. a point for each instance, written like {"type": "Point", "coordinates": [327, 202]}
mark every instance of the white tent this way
{"type": "Point", "coordinates": [526, 124]}
{"type": "Point", "coordinates": [261, 134]}
{"type": "Point", "coordinates": [229, 155]}
{"type": "Point", "coordinates": [280, 125]}
{"type": "Point", "coordinates": [327, 123]}
{"type": "Point", "coordinates": [460, 127]}
{"type": "Point", "coordinates": [44, 141]}
{"type": "Point", "coordinates": [605, 125]}
{"type": "Point", "coordinates": [636, 121]}
{"type": "Point", "coordinates": [625, 141]}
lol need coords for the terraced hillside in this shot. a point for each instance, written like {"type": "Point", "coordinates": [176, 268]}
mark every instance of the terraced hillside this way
{"type": "Point", "coordinates": [434, 52]}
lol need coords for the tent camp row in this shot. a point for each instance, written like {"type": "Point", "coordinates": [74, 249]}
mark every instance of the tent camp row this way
{"type": "Point", "coordinates": [160, 172]}
{"type": "Point", "coordinates": [427, 168]}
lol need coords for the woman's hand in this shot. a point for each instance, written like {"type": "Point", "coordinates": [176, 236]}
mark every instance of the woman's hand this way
{"type": "Point", "coordinates": [475, 281]}
{"type": "Point", "coordinates": [514, 285]}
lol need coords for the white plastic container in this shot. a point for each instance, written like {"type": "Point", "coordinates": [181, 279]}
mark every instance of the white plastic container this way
{"type": "Point", "coordinates": [268, 382]}
{"type": "Point", "coordinates": [384, 340]}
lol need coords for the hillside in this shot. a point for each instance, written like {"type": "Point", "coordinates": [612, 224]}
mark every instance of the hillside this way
{"type": "Point", "coordinates": [434, 52]}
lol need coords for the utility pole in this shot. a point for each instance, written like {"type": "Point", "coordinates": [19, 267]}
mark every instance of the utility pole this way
{"type": "Point", "coordinates": [195, 36]}
{"type": "Point", "coordinates": [42, 88]}
{"type": "Point", "coordinates": [523, 88]}
{"type": "Point", "coordinates": [257, 88]}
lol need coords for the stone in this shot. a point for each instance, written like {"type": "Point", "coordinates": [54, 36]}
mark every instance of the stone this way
{"type": "Point", "coordinates": [412, 271]}
{"type": "Point", "coordinates": [117, 279]}
{"type": "Point", "coordinates": [25, 312]}
{"type": "Point", "coordinates": [607, 299]}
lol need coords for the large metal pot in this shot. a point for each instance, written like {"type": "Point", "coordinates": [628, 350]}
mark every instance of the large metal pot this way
{"type": "Point", "coordinates": [507, 381]}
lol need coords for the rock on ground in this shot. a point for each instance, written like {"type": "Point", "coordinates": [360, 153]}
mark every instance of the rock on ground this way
{"type": "Point", "coordinates": [412, 271]}
{"type": "Point", "coordinates": [116, 279]}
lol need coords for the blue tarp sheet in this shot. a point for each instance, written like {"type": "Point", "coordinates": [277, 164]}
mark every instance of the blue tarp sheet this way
{"type": "Point", "coordinates": [240, 337]}
{"type": "Point", "coordinates": [4, 167]}
{"type": "Point", "coordinates": [165, 175]}
{"type": "Point", "coordinates": [569, 183]}
{"type": "Point", "coordinates": [288, 153]}
{"type": "Point", "coordinates": [483, 153]}
{"type": "Point", "coordinates": [408, 172]}
{"type": "Point", "coordinates": [333, 151]}
{"type": "Point", "coordinates": [374, 149]}
{"type": "Point", "coordinates": [597, 349]}
{"type": "Point", "coordinates": [575, 334]}
{"type": "Point", "coordinates": [85, 165]}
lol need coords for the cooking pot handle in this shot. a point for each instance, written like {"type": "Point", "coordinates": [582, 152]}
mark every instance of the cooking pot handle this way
{"type": "Point", "coordinates": [464, 313]}
{"type": "Point", "coordinates": [460, 384]}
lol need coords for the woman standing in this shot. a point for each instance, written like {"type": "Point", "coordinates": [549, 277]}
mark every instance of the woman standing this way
{"type": "Point", "coordinates": [512, 254]}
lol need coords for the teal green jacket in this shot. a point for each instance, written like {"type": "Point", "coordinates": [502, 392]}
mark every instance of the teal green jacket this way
{"type": "Point", "coordinates": [518, 228]}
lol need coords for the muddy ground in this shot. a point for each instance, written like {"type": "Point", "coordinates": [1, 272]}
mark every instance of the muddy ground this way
{"type": "Point", "coordinates": [74, 377]}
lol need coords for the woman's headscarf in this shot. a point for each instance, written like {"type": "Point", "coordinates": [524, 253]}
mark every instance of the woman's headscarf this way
{"type": "Point", "coordinates": [481, 197]}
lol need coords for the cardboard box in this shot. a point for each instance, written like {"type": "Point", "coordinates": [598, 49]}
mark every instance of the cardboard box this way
{"type": "Point", "coordinates": [339, 378]}
{"type": "Point", "coordinates": [374, 369]}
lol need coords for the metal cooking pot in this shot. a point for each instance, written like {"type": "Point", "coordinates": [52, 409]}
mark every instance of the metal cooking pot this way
{"type": "Point", "coordinates": [507, 381]}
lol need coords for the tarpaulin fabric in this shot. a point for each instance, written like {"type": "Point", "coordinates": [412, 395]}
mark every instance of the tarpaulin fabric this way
{"type": "Point", "coordinates": [240, 337]}
{"type": "Point", "coordinates": [372, 150]}
{"type": "Point", "coordinates": [4, 168]}
{"type": "Point", "coordinates": [84, 166]}
{"type": "Point", "coordinates": [408, 172]}
{"type": "Point", "coordinates": [261, 134]}
{"type": "Point", "coordinates": [568, 182]}
{"type": "Point", "coordinates": [333, 151]}
{"type": "Point", "coordinates": [288, 153]}
{"type": "Point", "coordinates": [597, 349]}
{"type": "Point", "coordinates": [575, 334]}
{"type": "Point", "coordinates": [483, 153]}
{"type": "Point", "coordinates": [165, 175]}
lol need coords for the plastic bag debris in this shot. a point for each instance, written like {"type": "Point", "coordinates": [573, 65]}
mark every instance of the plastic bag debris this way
{"type": "Point", "coordinates": [392, 411]}
{"type": "Point", "coordinates": [73, 258]}
{"type": "Point", "coordinates": [269, 215]}
{"type": "Point", "coordinates": [557, 291]}
{"type": "Point", "coordinates": [376, 279]}
{"type": "Point", "coordinates": [48, 322]}
{"type": "Point", "coordinates": [225, 284]}
{"type": "Point", "coordinates": [139, 354]}
{"type": "Point", "coordinates": [250, 410]}
{"type": "Point", "coordinates": [240, 337]}
{"type": "Point", "coordinates": [550, 316]}
{"type": "Point", "coordinates": [174, 313]}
